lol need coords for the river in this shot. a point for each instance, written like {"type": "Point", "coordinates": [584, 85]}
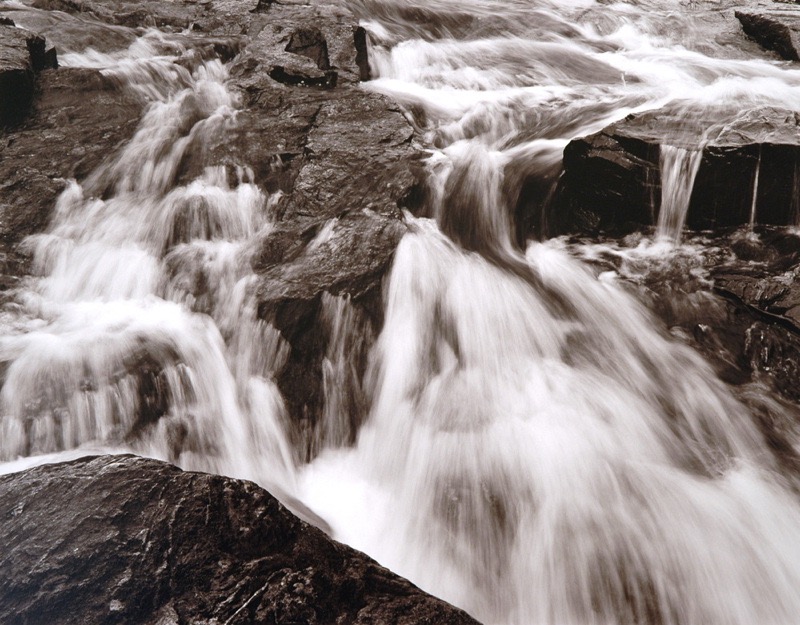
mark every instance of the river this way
{"type": "Point", "coordinates": [539, 449]}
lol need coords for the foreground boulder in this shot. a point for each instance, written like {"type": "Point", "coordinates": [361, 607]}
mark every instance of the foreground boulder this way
{"type": "Point", "coordinates": [748, 170]}
{"type": "Point", "coordinates": [121, 539]}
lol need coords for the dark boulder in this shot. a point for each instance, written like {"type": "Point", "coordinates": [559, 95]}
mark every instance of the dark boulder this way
{"type": "Point", "coordinates": [776, 30]}
{"type": "Point", "coordinates": [612, 179]}
{"type": "Point", "coordinates": [121, 539]}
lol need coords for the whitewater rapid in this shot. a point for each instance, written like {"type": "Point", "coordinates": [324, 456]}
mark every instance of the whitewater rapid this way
{"type": "Point", "coordinates": [539, 450]}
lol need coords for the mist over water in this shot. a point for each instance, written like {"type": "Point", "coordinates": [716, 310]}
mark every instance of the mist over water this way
{"type": "Point", "coordinates": [538, 448]}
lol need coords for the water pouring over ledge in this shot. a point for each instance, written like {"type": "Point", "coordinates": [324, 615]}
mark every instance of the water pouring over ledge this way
{"type": "Point", "coordinates": [538, 450]}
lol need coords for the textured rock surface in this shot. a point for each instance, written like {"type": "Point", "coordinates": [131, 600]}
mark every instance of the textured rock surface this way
{"type": "Point", "coordinates": [612, 179]}
{"type": "Point", "coordinates": [776, 30]}
{"type": "Point", "coordinates": [344, 161]}
{"type": "Point", "coordinates": [22, 56]}
{"type": "Point", "coordinates": [83, 113]}
{"type": "Point", "coordinates": [120, 539]}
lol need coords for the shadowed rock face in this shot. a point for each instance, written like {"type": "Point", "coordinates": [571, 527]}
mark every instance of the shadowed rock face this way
{"type": "Point", "coordinates": [22, 56]}
{"type": "Point", "coordinates": [612, 179]}
{"type": "Point", "coordinates": [778, 31]}
{"type": "Point", "coordinates": [120, 539]}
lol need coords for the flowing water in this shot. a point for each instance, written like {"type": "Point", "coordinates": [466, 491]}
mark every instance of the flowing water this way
{"type": "Point", "coordinates": [678, 172]}
{"type": "Point", "coordinates": [538, 449]}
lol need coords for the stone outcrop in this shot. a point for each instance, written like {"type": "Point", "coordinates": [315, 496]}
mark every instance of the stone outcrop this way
{"type": "Point", "coordinates": [121, 539]}
{"type": "Point", "coordinates": [775, 30]}
{"type": "Point", "coordinates": [22, 57]}
{"type": "Point", "coordinates": [612, 179]}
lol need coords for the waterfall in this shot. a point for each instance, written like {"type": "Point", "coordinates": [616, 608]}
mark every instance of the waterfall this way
{"type": "Point", "coordinates": [754, 201]}
{"type": "Point", "coordinates": [529, 441]}
{"type": "Point", "coordinates": [537, 467]}
{"type": "Point", "coordinates": [111, 347]}
{"type": "Point", "coordinates": [678, 172]}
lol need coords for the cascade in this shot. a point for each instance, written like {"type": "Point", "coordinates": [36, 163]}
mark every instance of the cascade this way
{"type": "Point", "coordinates": [529, 441]}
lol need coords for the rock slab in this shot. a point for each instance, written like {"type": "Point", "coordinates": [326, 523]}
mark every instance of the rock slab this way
{"type": "Point", "coordinates": [612, 179]}
{"type": "Point", "coordinates": [776, 30]}
{"type": "Point", "coordinates": [122, 539]}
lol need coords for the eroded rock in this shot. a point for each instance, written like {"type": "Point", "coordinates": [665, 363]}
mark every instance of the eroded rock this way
{"type": "Point", "coordinates": [120, 539]}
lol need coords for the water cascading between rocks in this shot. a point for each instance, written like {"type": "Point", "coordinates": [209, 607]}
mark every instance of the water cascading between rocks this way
{"type": "Point", "coordinates": [537, 449]}
{"type": "Point", "coordinates": [108, 348]}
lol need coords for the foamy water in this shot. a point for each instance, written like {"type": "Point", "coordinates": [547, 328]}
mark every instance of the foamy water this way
{"type": "Point", "coordinates": [538, 448]}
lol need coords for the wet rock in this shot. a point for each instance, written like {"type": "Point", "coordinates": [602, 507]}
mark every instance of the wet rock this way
{"type": "Point", "coordinates": [612, 179]}
{"type": "Point", "coordinates": [68, 32]}
{"type": "Point", "coordinates": [147, 13]}
{"type": "Point", "coordinates": [767, 279]}
{"type": "Point", "coordinates": [301, 262]}
{"type": "Point", "coordinates": [341, 164]}
{"type": "Point", "coordinates": [776, 30]}
{"type": "Point", "coordinates": [352, 176]}
{"type": "Point", "coordinates": [120, 539]}
{"type": "Point", "coordinates": [88, 117]}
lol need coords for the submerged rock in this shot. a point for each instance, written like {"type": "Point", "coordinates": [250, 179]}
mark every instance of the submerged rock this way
{"type": "Point", "coordinates": [749, 168]}
{"type": "Point", "coordinates": [121, 539]}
